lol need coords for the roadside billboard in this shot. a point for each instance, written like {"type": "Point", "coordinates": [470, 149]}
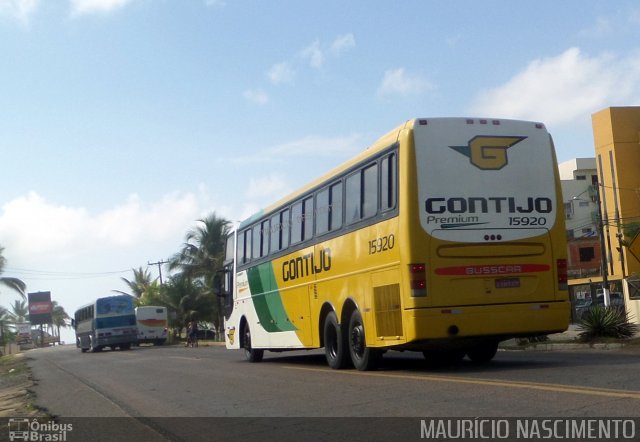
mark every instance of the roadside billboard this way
{"type": "Point", "coordinates": [40, 308]}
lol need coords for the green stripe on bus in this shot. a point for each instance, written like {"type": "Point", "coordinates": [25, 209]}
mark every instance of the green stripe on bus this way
{"type": "Point", "coordinates": [266, 299]}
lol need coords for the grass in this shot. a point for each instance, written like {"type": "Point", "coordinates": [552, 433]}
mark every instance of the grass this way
{"type": "Point", "coordinates": [16, 397]}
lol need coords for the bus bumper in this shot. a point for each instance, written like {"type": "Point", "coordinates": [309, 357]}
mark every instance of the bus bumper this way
{"type": "Point", "coordinates": [498, 322]}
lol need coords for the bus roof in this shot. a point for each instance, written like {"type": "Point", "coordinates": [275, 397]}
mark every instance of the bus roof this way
{"type": "Point", "coordinates": [380, 144]}
{"type": "Point", "coordinates": [104, 297]}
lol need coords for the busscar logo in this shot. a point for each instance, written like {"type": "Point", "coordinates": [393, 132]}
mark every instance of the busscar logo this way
{"type": "Point", "coordinates": [488, 152]}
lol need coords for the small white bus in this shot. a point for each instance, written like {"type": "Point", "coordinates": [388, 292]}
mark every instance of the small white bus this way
{"type": "Point", "coordinates": [152, 324]}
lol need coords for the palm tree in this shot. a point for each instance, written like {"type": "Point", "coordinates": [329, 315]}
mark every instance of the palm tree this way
{"type": "Point", "coordinates": [19, 311]}
{"type": "Point", "coordinates": [4, 319]}
{"type": "Point", "coordinates": [59, 317]}
{"type": "Point", "coordinates": [141, 285]}
{"type": "Point", "coordinates": [201, 257]}
{"type": "Point", "coordinates": [12, 283]}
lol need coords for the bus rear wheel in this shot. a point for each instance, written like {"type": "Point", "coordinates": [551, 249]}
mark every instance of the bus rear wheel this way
{"type": "Point", "coordinates": [363, 357]}
{"type": "Point", "coordinates": [251, 354]}
{"type": "Point", "coordinates": [335, 346]}
{"type": "Point", "coordinates": [483, 352]}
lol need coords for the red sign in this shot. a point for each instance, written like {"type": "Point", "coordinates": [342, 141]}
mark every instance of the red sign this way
{"type": "Point", "coordinates": [492, 270]}
{"type": "Point", "coordinates": [40, 308]}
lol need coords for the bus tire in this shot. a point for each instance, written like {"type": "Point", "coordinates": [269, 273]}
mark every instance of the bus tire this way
{"type": "Point", "coordinates": [483, 352]}
{"type": "Point", "coordinates": [364, 358]}
{"type": "Point", "coordinates": [335, 346]}
{"type": "Point", "coordinates": [93, 348]}
{"type": "Point", "coordinates": [251, 354]}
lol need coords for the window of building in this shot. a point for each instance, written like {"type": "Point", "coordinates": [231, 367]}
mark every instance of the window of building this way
{"type": "Point", "coordinates": [587, 254]}
{"type": "Point", "coordinates": [581, 177]}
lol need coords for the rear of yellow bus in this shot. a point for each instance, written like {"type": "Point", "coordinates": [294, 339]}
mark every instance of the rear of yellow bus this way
{"type": "Point", "coordinates": [484, 223]}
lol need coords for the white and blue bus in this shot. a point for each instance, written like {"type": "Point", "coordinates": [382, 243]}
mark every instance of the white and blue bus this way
{"type": "Point", "coordinates": [106, 322]}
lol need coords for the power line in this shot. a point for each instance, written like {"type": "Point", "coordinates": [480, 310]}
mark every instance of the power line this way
{"type": "Point", "coordinates": [159, 264]}
{"type": "Point", "coordinates": [60, 275]}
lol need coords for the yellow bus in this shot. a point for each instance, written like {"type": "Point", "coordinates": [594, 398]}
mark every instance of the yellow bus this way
{"type": "Point", "coordinates": [446, 236]}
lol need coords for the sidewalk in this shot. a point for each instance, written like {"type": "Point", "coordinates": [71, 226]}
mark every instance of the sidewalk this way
{"type": "Point", "coordinates": [568, 340]}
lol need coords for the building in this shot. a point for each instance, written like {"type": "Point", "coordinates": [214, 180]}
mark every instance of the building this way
{"type": "Point", "coordinates": [616, 133]}
{"type": "Point", "coordinates": [579, 181]}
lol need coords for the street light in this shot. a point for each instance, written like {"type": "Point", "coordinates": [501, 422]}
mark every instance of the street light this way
{"type": "Point", "coordinates": [603, 253]}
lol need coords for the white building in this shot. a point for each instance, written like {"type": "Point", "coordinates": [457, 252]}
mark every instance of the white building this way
{"type": "Point", "coordinates": [579, 181]}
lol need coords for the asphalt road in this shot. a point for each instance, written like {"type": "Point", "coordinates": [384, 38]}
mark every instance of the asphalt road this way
{"type": "Point", "coordinates": [212, 382]}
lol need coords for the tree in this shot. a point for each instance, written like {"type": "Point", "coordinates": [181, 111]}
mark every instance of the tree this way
{"type": "Point", "coordinates": [201, 258]}
{"type": "Point", "coordinates": [13, 283]}
{"type": "Point", "coordinates": [142, 280]}
{"type": "Point", "coordinates": [59, 316]}
{"type": "Point", "coordinates": [19, 311]}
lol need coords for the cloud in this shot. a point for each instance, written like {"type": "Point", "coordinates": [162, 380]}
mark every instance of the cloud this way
{"type": "Point", "coordinates": [317, 146]}
{"type": "Point", "coordinates": [215, 3]}
{"type": "Point", "coordinates": [81, 7]}
{"type": "Point", "coordinates": [316, 53]}
{"type": "Point", "coordinates": [563, 89]}
{"type": "Point", "coordinates": [257, 96]}
{"type": "Point", "coordinates": [31, 226]}
{"type": "Point", "coordinates": [20, 10]}
{"type": "Point", "coordinates": [313, 54]}
{"type": "Point", "coordinates": [399, 82]}
{"type": "Point", "coordinates": [343, 43]}
{"type": "Point", "coordinates": [281, 73]}
{"type": "Point", "coordinates": [269, 186]}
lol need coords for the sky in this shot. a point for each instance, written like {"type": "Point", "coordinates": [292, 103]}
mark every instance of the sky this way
{"type": "Point", "coordinates": [123, 122]}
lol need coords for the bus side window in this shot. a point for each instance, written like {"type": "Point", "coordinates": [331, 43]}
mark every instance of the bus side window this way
{"type": "Point", "coordinates": [240, 248]}
{"type": "Point", "coordinates": [307, 219]}
{"type": "Point", "coordinates": [370, 191]}
{"type": "Point", "coordinates": [285, 230]}
{"type": "Point", "coordinates": [244, 247]}
{"type": "Point", "coordinates": [296, 223]}
{"type": "Point", "coordinates": [264, 238]}
{"type": "Point", "coordinates": [335, 207]}
{"type": "Point", "coordinates": [255, 252]}
{"type": "Point", "coordinates": [276, 232]}
{"type": "Point", "coordinates": [388, 187]}
{"type": "Point", "coordinates": [322, 211]}
{"type": "Point", "coordinates": [352, 203]}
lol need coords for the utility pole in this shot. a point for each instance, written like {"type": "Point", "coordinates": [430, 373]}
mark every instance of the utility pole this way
{"type": "Point", "coordinates": [159, 264]}
{"type": "Point", "coordinates": [603, 252]}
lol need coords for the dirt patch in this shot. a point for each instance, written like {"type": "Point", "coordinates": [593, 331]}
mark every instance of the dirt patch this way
{"type": "Point", "coordinates": [16, 394]}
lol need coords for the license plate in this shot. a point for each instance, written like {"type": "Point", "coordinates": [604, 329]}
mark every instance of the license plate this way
{"type": "Point", "coordinates": [507, 283]}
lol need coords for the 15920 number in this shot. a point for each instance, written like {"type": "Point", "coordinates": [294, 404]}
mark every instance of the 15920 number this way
{"type": "Point", "coordinates": [527, 221]}
{"type": "Point", "coordinates": [383, 244]}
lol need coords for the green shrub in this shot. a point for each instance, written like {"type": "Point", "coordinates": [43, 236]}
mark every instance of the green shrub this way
{"type": "Point", "coordinates": [605, 322]}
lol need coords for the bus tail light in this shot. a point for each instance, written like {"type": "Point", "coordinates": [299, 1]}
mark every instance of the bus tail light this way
{"type": "Point", "coordinates": [562, 274]}
{"type": "Point", "coordinates": [418, 278]}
